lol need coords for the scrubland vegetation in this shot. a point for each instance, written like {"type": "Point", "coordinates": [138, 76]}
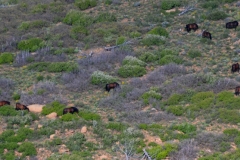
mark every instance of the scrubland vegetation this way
{"type": "Point", "coordinates": [177, 91]}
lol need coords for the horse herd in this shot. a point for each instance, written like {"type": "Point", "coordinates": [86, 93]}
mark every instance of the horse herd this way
{"type": "Point", "coordinates": [71, 110]}
{"type": "Point", "coordinates": [205, 34]}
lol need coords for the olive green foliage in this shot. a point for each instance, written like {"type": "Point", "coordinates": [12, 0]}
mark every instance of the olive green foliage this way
{"type": "Point", "coordinates": [69, 117]}
{"type": "Point", "coordinates": [216, 156]}
{"type": "Point", "coordinates": [159, 31]}
{"type": "Point", "coordinates": [105, 17]}
{"type": "Point", "coordinates": [53, 67]}
{"type": "Point", "coordinates": [39, 8]}
{"type": "Point", "coordinates": [135, 34]}
{"type": "Point", "coordinates": [130, 60]}
{"type": "Point", "coordinates": [28, 149]}
{"type": "Point", "coordinates": [170, 59]}
{"type": "Point", "coordinates": [9, 156]}
{"type": "Point", "coordinates": [75, 17]}
{"type": "Point", "coordinates": [176, 110]}
{"type": "Point", "coordinates": [227, 100]}
{"type": "Point", "coordinates": [186, 128]}
{"type": "Point", "coordinates": [75, 155]}
{"type": "Point", "coordinates": [76, 141]}
{"type": "Point", "coordinates": [87, 115]}
{"type": "Point", "coordinates": [230, 1]}
{"type": "Point", "coordinates": [229, 116]}
{"type": "Point", "coordinates": [99, 77]}
{"type": "Point", "coordinates": [78, 30]}
{"type": "Point", "coordinates": [194, 53]}
{"type": "Point", "coordinates": [33, 24]}
{"type": "Point", "coordinates": [16, 96]}
{"type": "Point", "coordinates": [216, 15]}
{"type": "Point", "coordinates": [120, 40]}
{"type": "Point", "coordinates": [152, 39]}
{"type": "Point", "coordinates": [231, 132]}
{"type": "Point", "coordinates": [131, 71]}
{"type": "Point", "coordinates": [6, 58]}
{"type": "Point", "coordinates": [161, 152]}
{"type": "Point", "coordinates": [85, 4]}
{"type": "Point", "coordinates": [31, 44]}
{"type": "Point", "coordinates": [148, 57]}
{"type": "Point", "coordinates": [210, 4]}
{"type": "Point", "coordinates": [202, 96]}
{"type": "Point", "coordinates": [166, 4]}
{"type": "Point", "coordinates": [116, 126]}
{"type": "Point", "coordinates": [150, 94]}
{"type": "Point", "coordinates": [174, 99]}
{"type": "Point", "coordinates": [7, 111]}
{"type": "Point", "coordinates": [53, 107]}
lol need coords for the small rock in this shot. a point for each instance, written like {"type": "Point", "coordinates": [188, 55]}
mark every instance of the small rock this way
{"type": "Point", "coordinates": [36, 108]}
{"type": "Point", "coordinates": [52, 136]}
{"type": "Point", "coordinates": [84, 129]}
{"type": "Point", "coordinates": [137, 4]}
{"type": "Point", "coordinates": [103, 157]}
{"type": "Point", "coordinates": [40, 126]}
{"type": "Point", "coordinates": [52, 115]}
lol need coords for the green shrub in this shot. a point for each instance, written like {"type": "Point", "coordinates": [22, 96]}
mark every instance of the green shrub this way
{"type": "Point", "coordinates": [78, 30]}
{"type": "Point", "coordinates": [10, 156]}
{"type": "Point", "coordinates": [33, 24]}
{"type": "Point", "coordinates": [53, 107]}
{"type": "Point", "coordinates": [130, 60]}
{"type": "Point", "coordinates": [161, 152]}
{"type": "Point", "coordinates": [105, 17]}
{"type": "Point", "coordinates": [89, 115]}
{"type": "Point", "coordinates": [69, 117]}
{"type": "Point", "coordinates": [11, 145]}
{"type": "Point", "coordinates": [55, 142]}
{"type": "Point", "coordinates": [202, 96]}
{"type": "Point", "coordinates": [31, 44]}
{"type": "Point", "coordinates": [148, 57]}
{"type": "Point", "coordinates": [224, 96]}
{"type": "Point", "coordinates": [230, 1]}
{"type": "Point", "coordinates": [7, 111]}
{"type": "Point", "coordinates": [174, 99]}
{"type": "Point", "coordinates": [150, 94]}
{"type": "Point", "coordinates": [79, 18]}
{"type": "Point", "coordinates": [135, 34]}
{"type": "Point", "coordinates": [24, 132]}
{"type": "Point", "coordinates": [231, 132]}
{"type": "Point", "coordinates": [216, 15]}
{"type": "Point", "coordinates": [166, 4]}
{"type": "Point", "coordinates": [194, 53]}
{"type": "Point", "coordinates": [116, 126]}
{"type": "Point", "coordinates": [176, 110]}
{"type": "Point", "coordinates": [186, 128]}
{"type": "Point", "coordinates": [166, 52]}
{"type": "Point", "coordinates": [39, 8]}
{"type": "Point", "coordinates": [120, 40]}
{"type": "Point", "coordinates": [6, 58]}
{"type": "Point", "coordinates": [159, 31]}
{"type": "Point", "coordinates": [143, 126]}
{"type": "Point", "coordinates": [210, 4]}
{"type": "Point", "coordinates": [75, 142]}
{"type": "Point", "coordinates": [170, 59]}
{"type": "Point", "coordinates": [99, 77]}
{"type": "Point", "coordinates": [131, 71]}
{"type": "Point", "coordinates": [16, 96]}
{"type": "Point", "coordinates": [229, 116]}
{"type": "Point", "coordinates": [151, 39]}
{"type": "Point", "coordinates": [28, 149]}
{"type": "Point", "coordinates": [204, 104]}
{"type": "Point", "coordinates": [85, 4]}
{"type": "Point", "coordinates": [6, 134]}
{"type": "Point", "coordinates": [62, 66]}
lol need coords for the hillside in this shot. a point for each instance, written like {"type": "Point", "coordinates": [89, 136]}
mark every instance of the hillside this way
{"type": "Point", "coordinates": [176, 97]}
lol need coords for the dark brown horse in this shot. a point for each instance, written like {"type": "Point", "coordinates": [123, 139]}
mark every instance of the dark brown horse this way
{"type": "Point", "coordinates": [235, 67]}
{"type": "Point", "coordinates": [70, 110]}
{"type": "Point", "coordinates": [3, 103]}
{"type": "Point", "coordinates": [192, 26]}
{"type": "Point", "coordinates": [231, 25]}
{"type": "Point", "coordinates": [237, 90]}
{"type": "Point", "coordinates": [206, 34]}
{"type": "Point", "coordinates": [20, 106]}
{"type": "Point", "coordinates": [113, 85]}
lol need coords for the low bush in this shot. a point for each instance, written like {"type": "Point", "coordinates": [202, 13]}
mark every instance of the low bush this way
{"type": "Point", "coordinates": [53, 107]}
{"type": "Point", "coordinates": [28, 149]}
{"type": "Point", "coordinates": [176, 110]}
{"type": "Point", "coordinates": [33, 24]}
{"type": "Point", "coordinates": [120, 40]}
{"type": "Point", "coordinates": [99, 77]}
{"type": "Point", "coordinates": [186, 128]}
{"type": "Point", "coordinates": [5, 134]}
{"type": "Point", "coordinates": [130, 60]}
{"type": "Point", "coordinates": [53, 67]}
{"type": "Point", "coordinates": [85, 4]}
{"type": "Point", "coordinates": [224, 96]}
{"type": "Point", "coordinates": [6, 58]}
{"type": "Point", "coordinates": [229, 116]}
{"type": "Point", "coordinates": [105, 17]}
{"type": "Point", "coordinates": [170, 59]}
{"type": "Point", "coordinates": [194, 53]}
{"type": "Point", "coordinates": [174, 99]}
{"type": "Point", "coordinates": [89, 115]}
{"type": "Point", "coordinates": [135, 34]}
{"type": "Point", "coordinates": [8, 111]}
{"type": "Point", "coordinates": [69, 117]}
{"type": "Point", "coordinates": [76, 141]}
{"type": "Point", "coordinates": [161, 152]}
{"type": "Point", "coordinates": [77, 32]}
{"type": "Point", "coordinates": [150, 94]}
{"type": "Point", "coordinates": [151, 39]}
{"type": "Point", "coordinates": [116, 126]}
{"type": "Point", "coordinates": [148, 57]}
{"type": "Point", "coordinates": [131, 71]}
{"type": "Point", "coordinates": [200, 96]}
{"type": "Point", "coordinates": [231, 132]}
{"type": "Point", "coordinates": [31, 44]}
{"type": "Point", "coordinates": [78, 18]}
{"type": "Point", "coordinates": [216, 15]}
{"type": "Point", "coordinates": [39, 8]}
{"type": "Point", "coordinates": [159, 31]}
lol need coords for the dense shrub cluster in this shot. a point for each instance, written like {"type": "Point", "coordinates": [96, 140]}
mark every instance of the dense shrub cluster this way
{"type": "Point", "coordinates": [152, 39]}
{"type": "Point", "coordinates": [31, 44]}
{"type": "Point", "coordinates": [53, 67]}
{"type": "Point", "coordinates": [130, 60]}
{"type": "Point", "coordinates": [53, 107]}
{"type": "Point", "coordinates": [166, 5]}
{"type": "Point", "coordinates": [85, 4]}
{"type": "Point", "coordinates": [161, 152]}
{"type": "Point", "coordinates": [131, 71]}
{"type": "Point", "coordinates": [150, 94]}
{"type": "Point", "coordinates": [216, 15]}
{"type": "Point", "coordinates": [148, 57]}
{"type": "Point", "coordinates": [33, 24]}
{"type": "Point", "coordinates": [194, 53]}
{"type": "Point", "coordinates": [75, 17]}
{"type": "Point", "coordinates": [99, 77]}
{"type": "Point", "coordinates": [6, 58]}
{"type": "Point", "coordinates": [159, 31]}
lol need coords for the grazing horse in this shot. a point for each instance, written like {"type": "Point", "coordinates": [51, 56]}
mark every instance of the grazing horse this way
{"type": "Point", "coordinates": [206, 34]}
{"type": "Point", "coordinates": [237, 90]}
{"type": "Point", "coordinates": [192, 26]}
{"type": "Point", "coordinates": [3, 103]}
{"type": "Point", "coordinates": [113, 85]}
{"type": "Point", "coordinates": [231, 25]}
{"type": "Point", "coordinates": [20, 106]}
{"type": "Point", "coordinates": [235, 67]}
{"type": "Point", "coordinates": [70, 110]}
